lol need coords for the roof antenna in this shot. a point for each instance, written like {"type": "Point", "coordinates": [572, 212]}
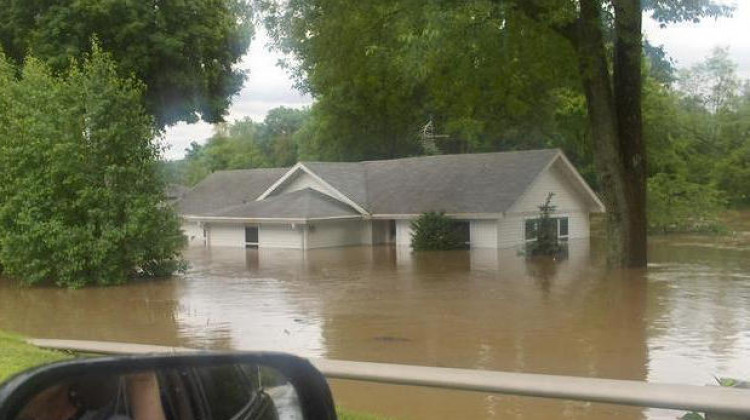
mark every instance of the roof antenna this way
{"type": "Point", "coordinates": [428, 138]}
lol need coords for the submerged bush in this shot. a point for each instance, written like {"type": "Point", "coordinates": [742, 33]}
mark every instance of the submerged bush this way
{"type": "Point", "coordinates": [81, 199]}
{"type": "Point", "coordinates": [547, 240]}
{"type": "Point", "coordinates": [678, 205]}
{"type": "Point", "coordinates": [434, 231]}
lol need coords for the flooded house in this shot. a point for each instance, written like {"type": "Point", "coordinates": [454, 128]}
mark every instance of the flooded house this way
{"type": "Point", "coordinates": [494, 196]}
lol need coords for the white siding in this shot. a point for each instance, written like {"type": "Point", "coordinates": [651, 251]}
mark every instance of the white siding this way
{"type": "Point", "coordinates": [569, 202]}
{"type": "Point", "coordinates": [194, 233]}
{"type": "Point", "coordinates": [367, 232]}
{"type": "Point", "coordinates": [336, 233]}
{"type": "Point", "coordinates": [280, 236]}
{"type": "Point", "coordinates": [578, 225]}
{"type": "Point", "coordinates": [226, 235]}
{"type": "Point", "coordinates": [403, 232]}
{"type": "Point", "coordinates": [510, 231]}
{"type": "Point", "coordinates": [483, 233]}
{"type": "Point", "coordinates": [566, 198]}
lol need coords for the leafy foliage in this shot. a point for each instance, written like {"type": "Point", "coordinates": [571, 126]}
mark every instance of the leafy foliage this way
{"type": "Point", "coordinates": [243, 145]}
{"type": "Point", "coordinates": [723, 382]}
{"type": "Point", "coordinates": [678, 205]}
{"type": "Point", "coordinates": [487, 73]}
{"type": "Point", "coordinates": [379, 71]}
{"type": "Point", "coordinates": [184, 51]}
{"type": "Point", "coordinates": [433, 231]}
{"type": "Point", "coordinates": [80, 198]}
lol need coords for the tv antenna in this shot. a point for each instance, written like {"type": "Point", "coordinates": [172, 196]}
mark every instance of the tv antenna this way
{"type": "Point", "coordinates": [429, 136]}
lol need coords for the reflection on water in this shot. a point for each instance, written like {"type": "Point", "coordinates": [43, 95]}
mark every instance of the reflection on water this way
{"type": "Point", "coordinates": [684, 319]}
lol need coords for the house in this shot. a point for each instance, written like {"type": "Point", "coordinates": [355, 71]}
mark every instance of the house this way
{"type": "Point", "coordinates": [495, 196]}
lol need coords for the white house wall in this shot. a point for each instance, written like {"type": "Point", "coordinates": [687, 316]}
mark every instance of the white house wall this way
{"type": "Point", "coordinates": [335, 233]}
{"type": "Point", "coordinates": [403, 232]}
{"type": "Point", "coordinates": [566, 199]}
{"type": "Point", "coordinates": [367, 232]}
{"type": "Point", "coordinates": [226, 235]}
{"type": "Point", "coordinates": [578, 225]}
{"type": "Point", "coordinates": [510, 231]}
{"type": "Point", "coordinates": [280, 236]}
{"type": "Point", "coordinates": [194, 233]}
{"type": "Point", "coordinates": [483, 233]}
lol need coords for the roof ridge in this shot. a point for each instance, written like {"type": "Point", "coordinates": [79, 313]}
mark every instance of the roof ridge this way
{"type": "Point", "coordinates": [504, 152]}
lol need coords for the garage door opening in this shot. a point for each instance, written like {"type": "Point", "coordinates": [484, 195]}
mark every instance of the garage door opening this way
{"type": "Point", "coordinates": [251, 236]}
{"type": "Point", "coordinates": [463, 231]}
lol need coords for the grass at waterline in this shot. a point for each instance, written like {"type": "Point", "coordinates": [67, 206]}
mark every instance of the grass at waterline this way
{"type": "Point", "coordinates": [345, 414]}
{"type": "Point", "coordinates": [16, 355]}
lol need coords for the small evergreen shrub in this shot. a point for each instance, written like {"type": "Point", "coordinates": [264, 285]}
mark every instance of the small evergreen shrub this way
{"type": "Point", "coordinates": [433, 231]}
{"type": "Point", "coordinates": [547, 241]}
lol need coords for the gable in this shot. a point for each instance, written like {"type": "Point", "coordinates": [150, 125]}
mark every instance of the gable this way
{"type": "Point", "coordinates": [301, 180]}
{"type": "Point", "coordinates": [570, 194]}
{"type": "Point", "coordinates": [301, 177]}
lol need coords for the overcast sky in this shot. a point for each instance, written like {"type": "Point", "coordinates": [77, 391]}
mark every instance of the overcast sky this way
{"type": "Point", "coordinates": [268, 86]}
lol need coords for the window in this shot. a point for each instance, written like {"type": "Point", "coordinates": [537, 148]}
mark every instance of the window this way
{"type": "Point", "coordinates": [251, 236]}
{"type": "Point", "coordinates": [562, 227]}
{"type": "Point", "coordinates": [531, 228]}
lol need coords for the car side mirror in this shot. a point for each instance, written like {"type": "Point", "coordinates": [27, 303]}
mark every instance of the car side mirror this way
{"type": "Point", "coordinates": [200, 386]}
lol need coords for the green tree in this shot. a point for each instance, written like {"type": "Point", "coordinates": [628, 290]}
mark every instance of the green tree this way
{"type": "Point", "coordinates": [245, 144]}
{"type": "Point", "coordinates": [81, 200]}
{"type": "Point", "coordinates": [184, 51]}
{"type": "Point", "coordinates": [485, 69]}
{"type": "Point", "coordinates": [433, 231]}
{"type": "Point", "coordinates": [678, 205]}
{"type": "Point", "coordinates": [280, 134]}
{"type": "Point", "coordinates": [713, 83]}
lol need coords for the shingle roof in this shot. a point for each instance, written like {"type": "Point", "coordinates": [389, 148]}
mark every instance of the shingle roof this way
{"type": "Point", "coordinates": [346, 177]}
{"type": "Point", "coordinates": [301, 204]}
{"type": "Point", "coordinates": [223, 189]}
{"type": "Point", "coordinates": [468, 183]}
{"type": "Point", "coordinates": [175, 191]}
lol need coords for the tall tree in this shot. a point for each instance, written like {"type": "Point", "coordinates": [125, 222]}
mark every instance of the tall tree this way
{"type": "Point", "coordinates": [81, 199]}
{"type": "Point", "coordinates": [537, 41]}
{"type": "Point", "coordinates": [185, 52]}
{"type": "Point", "coordinates": [614, 99]}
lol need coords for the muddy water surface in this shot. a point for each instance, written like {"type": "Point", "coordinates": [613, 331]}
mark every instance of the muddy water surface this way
{"type": "Point", "coordinates": [685, 319]}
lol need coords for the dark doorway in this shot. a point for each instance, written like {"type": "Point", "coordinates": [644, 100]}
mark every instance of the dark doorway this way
{"type": "Point", "coordinates": [251, 236]}
{"type": "Point", "coordinates": [463, 230]}
{"type": "Point", "coordinates": [391, 239]}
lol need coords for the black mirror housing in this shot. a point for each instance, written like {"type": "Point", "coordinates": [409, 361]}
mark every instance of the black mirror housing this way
{"type": "Point", "coordinates": [197, 373]}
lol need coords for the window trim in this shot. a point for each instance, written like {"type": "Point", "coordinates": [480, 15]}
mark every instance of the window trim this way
{"type": "Point", "coordinates": [557, 218]}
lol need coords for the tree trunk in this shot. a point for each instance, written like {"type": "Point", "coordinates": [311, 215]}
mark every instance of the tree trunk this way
{"type": "Point", "coordinates": [614, 111]}
{"type": "Point", "coordinates": [628, 88]}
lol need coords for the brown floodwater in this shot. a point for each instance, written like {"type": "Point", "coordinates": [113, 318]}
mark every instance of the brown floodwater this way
{"type": "Point", "coordinates": [683, 320]}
